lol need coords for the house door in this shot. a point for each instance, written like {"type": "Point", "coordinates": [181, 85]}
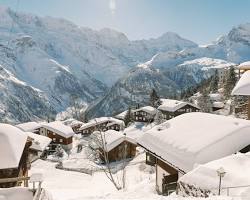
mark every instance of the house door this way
{"type": "Point", "coordinates": [169, 184]}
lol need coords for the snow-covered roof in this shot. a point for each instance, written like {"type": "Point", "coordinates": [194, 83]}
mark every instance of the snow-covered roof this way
{"type": "Point", "coordinates": [12, 143]}
{"type": "Point", "coordinates": [172, 105]}
{"type": "Point", "coordinates": [101, 120]}
{"type": "Point", "coordinates": [121, 115]}
{"type": "Point", "coordinates": [39, 142]}
{"type": "Point", "coordinates": [72, 122]}
{"type": "Point", "coordinates": [244, 65]}
{"type": "Point", "coordinates": [218, 104]}
{"type": "Point", "coordinates": [29, 126]}
{"type": "Point", "coordinates": [114, 138]}
{"type": "Point", "coordinates": [196, 138]}
{"type": "Point", "coordinates": [243, 85]}
{"type": "Point", "coordinates": [237, 171]}
{"type": "Point", "coordinates": [148, 109]}
{"type": "Point", "coordinates": [215, 96]}
{"type": "Point", "coordinates": [59, 128]}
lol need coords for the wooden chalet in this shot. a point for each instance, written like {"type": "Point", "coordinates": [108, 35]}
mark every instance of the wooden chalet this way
{"type": "Point", "coordinates": [117, 147]}
{"type": "Point", "coordinates": [243, 67]}
{"type": "Point", "coordinates": [144, 114]}
{"type": "Point", "coordinates": [101, 124]}
{"type": "Point", "coordinates": [59, 133]}
{"type": "Point", "coordinates": [176, 146]}
{"type": "Point", "coordinates": [14, 157]}
{"type": "Point", "coordinates": [171, 108]}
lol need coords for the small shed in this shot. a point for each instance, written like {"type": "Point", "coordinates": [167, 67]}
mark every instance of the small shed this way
{"type": "Point", "coordinates": [117, 146]}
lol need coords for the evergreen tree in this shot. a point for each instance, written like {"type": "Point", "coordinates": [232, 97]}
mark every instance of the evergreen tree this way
{"type": "Point", "coordinates": [204, 101]}
{"type": "Point", "coordinates": [159, 118]}
{"type": "Point", "coordinates": [154, 99]}
{"type": "Point", "coordinates": [214, 82]}
{"type": "Point", "coordinates": [230, 82]}
{"type": "Point", "coordinates": [128, 117]}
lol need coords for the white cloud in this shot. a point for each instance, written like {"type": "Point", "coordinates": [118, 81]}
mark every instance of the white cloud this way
{"type": "Point", "coordinates": [112, 6]}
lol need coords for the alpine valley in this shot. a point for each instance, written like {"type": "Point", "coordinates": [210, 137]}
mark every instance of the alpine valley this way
{"type": "Point", "coordinates": [45, 60]}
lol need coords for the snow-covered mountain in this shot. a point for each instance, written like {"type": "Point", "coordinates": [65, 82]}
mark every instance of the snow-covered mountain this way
{"type": "Point", "coordinates": [135, 87]}
{"type": "Point", "coordinates": [62, 59]}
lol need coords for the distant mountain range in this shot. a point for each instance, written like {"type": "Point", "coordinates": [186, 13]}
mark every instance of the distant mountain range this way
{"type": "Point", "coordinates": [45, 60]}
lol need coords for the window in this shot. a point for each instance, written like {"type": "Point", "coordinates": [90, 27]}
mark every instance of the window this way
{"type": "Point", "coordinates": [54, 139]}
{"type": "Point", "coordinates": [54, 133]}
{"type": "Point", "coordinates": [61, 140]}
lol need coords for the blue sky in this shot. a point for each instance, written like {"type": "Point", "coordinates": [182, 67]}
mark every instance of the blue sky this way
{"type": "Point", "coordinates": [199, 20]}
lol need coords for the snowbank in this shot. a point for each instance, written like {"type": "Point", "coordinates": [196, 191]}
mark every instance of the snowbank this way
{"type": "Point", "coordinates": [237, 174]}
{"type": "Point", "coordinates": [16, 193]}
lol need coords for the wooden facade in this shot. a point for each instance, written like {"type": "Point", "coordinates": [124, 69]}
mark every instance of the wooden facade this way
{"type": "Point", "coordinates": [166, 175]}
{"type": "Point", "coordinates": [21, 172]}
{"type": "Point", "coordinates": [185, 109]}
{"type": "Point", "coordinates": [107, 125]}
{"type": "Point", "coordinates": [57, 139]}
{"type": "Point", "coordinates": [142, 116]}
{"type": "Point", "coordinates": [118, 153]}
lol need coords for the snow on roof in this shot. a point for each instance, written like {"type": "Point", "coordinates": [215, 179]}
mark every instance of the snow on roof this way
{"type": "Point", "coordinates": [193, 138]}
{"type": "Point", "coordinates": [243, 85]}
{"type": "Point", "coordinates": [244, 65]}
{"type": "Point", "coordinates": [29, 126]}
{"type": "Point", "coordinates": [101, 120]}
{"type": "Point", "coordinates": [114, 138]}
{"type": "Point", "coordinates": [12, 143]}
{"type": "Point", "coordinates": [237, 171]}
{"type": "Point", "coordinates": [215, 96]}
{"type": "Point", "coordinates": [218, 104]}
{"type": "Point", "coordinates": [172, 105]}
{"type": "Point", "coordinates": [72, 122]}
{"type": "Point", "coordinates": [148, 109]}
{"type": "Point", "coordinates": [39, 142]}
{"type": "Point", "coordinates": [121, 115]}
{"type": "Point", "coordinates": [59, 128]}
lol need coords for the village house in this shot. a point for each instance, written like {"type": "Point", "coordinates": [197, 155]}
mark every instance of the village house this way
{"type": "Point", "coordinates": [33, 127]}
{"type": "Point", "coordinates": [217, 101]}
{"type": "Point", "coordinates": [59, 133]}
{"type": "Point", "coordinates": [39, 145]}
{"type": "Point", "coordinates": [115, 146]}
{"type": "Point", "coordinates": [14, 157]}
{"type": "Point", "coordinates": [121, 115]}
{"type": "Point", "coordinates": [144, 114]}
{"type": "Point", "coordinates": [101, 124]}
{"type": "Point", "coordinates": [177, 146]}
{"type": "Point", "coordinates": [171, 108]}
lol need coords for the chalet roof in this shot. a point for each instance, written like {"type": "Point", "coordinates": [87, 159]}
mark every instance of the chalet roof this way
{"type": "Point", "coordinates": [244, 65]}
{"type": "Point", "coordinates": [196, 138]}
{"type": "Point", "coordinates": [12, 143]}
{"type": "Point", "coordinates": [121, 115]}
{"type": "Point", "coordinates": [59, 128]}
{"type": "Point", "coordinates": [101, 120]}
{"type": "Point", "coordinates": [39, 142]}
{"type": "Point", "coordinates": [29, 126]}
{"type": "Point", "coordinates": [215, 96]}
{"type": "Point", "coordinates": [243, 85]}
{"type": "Point", "coordinates": [218, 104]}
{"type": "Point", "coordinates": [114, 138]}
{"type": "Point", "coordinates": [172, 105]}
{"type": "Point", "coordinates": [72, 122]}
{"type": "Point", "coordinates": [148, 109]}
